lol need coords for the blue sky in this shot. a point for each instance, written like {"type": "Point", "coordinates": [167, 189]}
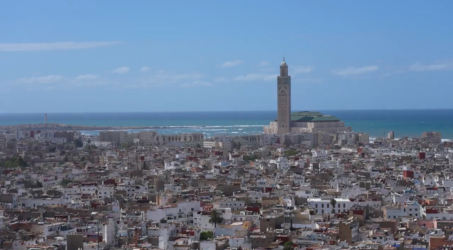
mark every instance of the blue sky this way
{"type": "Point", "coordinates": [139, 56]}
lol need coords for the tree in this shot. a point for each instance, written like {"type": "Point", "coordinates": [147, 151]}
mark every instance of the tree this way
{"type": "Point", "coordinates": [289, 153]}
{"type": "Point", "coordinates": [206, 235]}
{"type": "Point", "coordinates": [216, 217]}
{"type": "Point", "coordinates": [288, 246]}
{"type": "Point", "coordinates": [333, 202]}
{"type": "Point", "coordinates": [14, 162]}
{"type": "Point", "coordinates": [65, 182]}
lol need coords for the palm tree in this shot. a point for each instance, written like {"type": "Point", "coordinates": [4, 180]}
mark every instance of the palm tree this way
{"type": "Point", "coordinates": [216, 217]}
{"type": "Point", "coordinates": [333, 202]}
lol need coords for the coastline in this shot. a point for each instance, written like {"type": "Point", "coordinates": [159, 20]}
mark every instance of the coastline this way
{"type": "Point", "coordinates": [377, 123]}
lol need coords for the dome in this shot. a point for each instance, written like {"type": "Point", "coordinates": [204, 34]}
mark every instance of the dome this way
{"type": "Point", "coordinates": [283, 64]}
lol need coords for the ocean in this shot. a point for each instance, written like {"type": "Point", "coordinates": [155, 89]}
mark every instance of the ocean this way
{"type": "Point", "coordinates": [375, 122]}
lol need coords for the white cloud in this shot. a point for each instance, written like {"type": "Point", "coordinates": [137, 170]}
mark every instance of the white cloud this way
{"type": "Point", "coordinates": [87, 77]}
{"type": "Point", "coordinates": [432, 67]}
{"type": "Point", "coordinates": [7, 47]}
{"type": "Point", "coordinates": [256, 77]}
{"type": "Point", "coordinates": [352, 71]}
{"type": "Point", "coordinates": [144, 69]}
{"type": "Point", "coordinates": [231, 63]}
{"type": "Point", "coordinates": [40, 79]}
{"type": "Point", "coordinates": [308, 80]}
{"type": "Point", "coordinates": [196, 84]}
{"type": "Point", "coordinates": [167, 79]}
{"type": "Point", "coordinates": [300, 69]}
{"type": "Point", "coordinates": [120, 70]}
{"type": "Point", "coordinates": [263, 64]}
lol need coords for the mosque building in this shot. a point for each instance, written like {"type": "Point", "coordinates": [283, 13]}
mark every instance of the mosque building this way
{"type": "Point", "coordinates": [298, 122]}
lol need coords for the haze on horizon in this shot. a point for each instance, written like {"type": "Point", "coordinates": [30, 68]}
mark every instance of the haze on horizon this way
{"type": "Point", "coordinates": [155, 56]}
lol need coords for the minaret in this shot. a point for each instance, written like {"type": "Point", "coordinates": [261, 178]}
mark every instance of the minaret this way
{"type": "Point", "coordinates": [284, 99]}
{"type": "Point", "coordinates": [45, 119]}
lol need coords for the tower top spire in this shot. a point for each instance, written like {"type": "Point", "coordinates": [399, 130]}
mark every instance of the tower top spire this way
{"type": "Point", "coordinates": [283, 64]}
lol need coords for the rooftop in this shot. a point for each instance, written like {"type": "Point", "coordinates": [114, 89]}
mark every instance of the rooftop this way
{"type": "Point", "coordinates": [309, 116]}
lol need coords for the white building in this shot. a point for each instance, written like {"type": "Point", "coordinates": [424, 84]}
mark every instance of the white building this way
{"type": "Point", "coordinates": [324, 206]}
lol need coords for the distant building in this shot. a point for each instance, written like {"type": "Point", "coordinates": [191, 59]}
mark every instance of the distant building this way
{"type": "Point", "coordinates": [149, 138]}
{"type": "Point", "coordinates": [68, 135]}
{"type": "Point", "coordinates": [432, 137]}
{"type": "Point", "coordinates": [308, 139]}
{"type": "Point", "coordinates": [363, 138]}
{"type": "Point", "coordinates": [298, 122]}
{"type": "Point", "coordinates": [349, 230]}
{"type": "Point", "coordinates": [391, 135]}
{"type": "Point", "coordinates": [117, 137]}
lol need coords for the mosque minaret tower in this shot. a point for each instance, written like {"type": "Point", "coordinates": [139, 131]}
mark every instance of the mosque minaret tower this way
{"type": "Point", "coordinates": [284, 99]}
{"type": "Point", "coordinates": [300, 122]}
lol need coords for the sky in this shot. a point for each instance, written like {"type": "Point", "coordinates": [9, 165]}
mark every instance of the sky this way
{"type": "Point", "coordinates": [161, 56]}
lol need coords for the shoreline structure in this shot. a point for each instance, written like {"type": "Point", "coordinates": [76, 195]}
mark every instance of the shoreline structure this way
{"type": "Point", "coordinates": [57, 126]}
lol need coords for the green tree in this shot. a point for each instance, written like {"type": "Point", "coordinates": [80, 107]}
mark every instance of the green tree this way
{"type": "Point", "coordinates": [333, 202]}
{"type": "Point", "coordinates": [14, 162]}
{"type": "Point", "coordinates": [21, 162]}
{"type": "Point", "coordinates": [288, 246]}
{"type": "Point", "coordinates": [206, 235]}
{"type": "Point", "coordinates": [289, 153]}
{"type": "Point", "coordinates": [215, 217]}
{"type": "Point", "coordinates": [65, 182]}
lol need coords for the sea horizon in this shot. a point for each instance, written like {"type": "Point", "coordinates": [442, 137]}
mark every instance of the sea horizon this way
{"type": "Point", "coordinates": [210, 111]}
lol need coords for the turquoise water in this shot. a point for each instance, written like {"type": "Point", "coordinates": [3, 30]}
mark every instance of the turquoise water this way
{"type": "Point", "coordinates": [375, 122]}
